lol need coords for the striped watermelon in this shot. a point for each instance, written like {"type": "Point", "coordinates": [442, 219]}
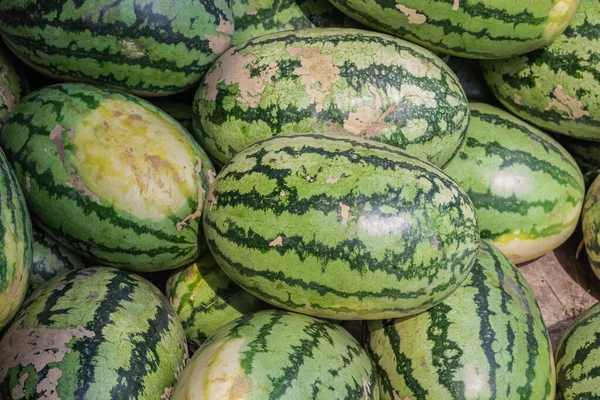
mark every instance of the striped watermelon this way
{"type": "Point", "coordinates": [276, 354]}
{"type": "Point", "coordinates": [528, 191]}
{"type": "Point", "coordinates": [585, 152]}
{"type": "Point", "coordinates": [486, 341]}
{"type": "Point", "coordinates": [556, 88]}
{"type": "Point", "coordinates": [342, 228]}
{"type": "Point", "coordinates": [467, 28]}
{"type": "Point", "coordinates": [206, 299]}
{"type": "Point", "coordinates": [94, 333]}
{"type": "Point", "coordinates": [15, 237]}
{"type": "Point", "coordinates": [110, 176]}
{"type": "Point", "coordinates": [349, 81]}
{"type": "Point", "coordinates": [577, 361]}
{"type": "Point", "coordinates": [13, 86]}
{"type": "Point", "coordinates": [148, 47]}
{"type": "Point", "coordinates": [50, 259]}
{"type": "Point", "coordinates": [591, 225]}
{"type": "Point", "coordinates": [254, 18]}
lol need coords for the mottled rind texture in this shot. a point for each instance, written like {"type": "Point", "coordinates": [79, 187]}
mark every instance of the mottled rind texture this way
{"type": "Point", "coordinates": [486, 341]}
{"type": "Point", "coordinates": [527, 189]}
{"type": "Point", "coordinates": [13, 85]}
{"type": "Point", "coordinates": [110, 176]}
{"type": "Point", "coordinates": [340, 228]}
{"type": "Point", "coordinates": [344, 81]}
{"type": "Point", "coordinates": [591, 225]}
{"type": "Point", "coordinates": [206, 299]}
{"type": "Point", "coordinates": [15, 242]}
{"type": "Point", "coordinates": [558, 87]}
{"type": "Point", "coordinates": [276, 355]}
{"type": "Point", "coordinates": [254, 18]}
{"type": "Point", "coordinates": [95, 333]}
{"type": "Point", "coordinates": [585, 152]}
{"type": "Point", "coordinates": [50, 259]}
{"type": "Point", "coordinates": [148, 47]}
{"type": "Point", "coordinates": [467, 28]}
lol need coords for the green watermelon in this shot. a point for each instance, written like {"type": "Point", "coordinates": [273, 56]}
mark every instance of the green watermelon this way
{"type": "Point", "coordinates": [466, 28]}
{"type": "Point", "coordinates": [110, 176]}
{"type": "Point", "coordinates": [591, 225]}
{"type": "Point", "coordinates": [486, 341]}
{"type": "Point", "coordinates": [50, 259]}
{"type": "Point", "coordinates": [13, 86]}
{"type": "Point", "coordinates": [527, 189]}
{"type": "Point", "coordinates": [556, 88]}
{"type": "Point", "coordinates": [206, 299]}
{"type": "Point", "coordinates": [254, 18]}
{"type": "Point", "coordinates": [341, 228]}
{"type": "Point", "coordinates": [347, 81]}
{"type": "Point", "coordinates": [146, 47]}
{"type": "Point", "coordinates": [577, 360]}
{"type": "Point", "coordinates": [276, 354]}
{"type": "Point", "coordinates": [585, 152]}
{"type": "Point", "coordinates": [94, 333]}
{"type": "Point", "coordinates": [15, 237]}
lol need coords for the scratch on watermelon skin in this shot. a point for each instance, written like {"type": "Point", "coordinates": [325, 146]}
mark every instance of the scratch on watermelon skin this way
{"type": "Point", "coordinates": [145, 47]}
{"type": "Point", "coordinates": [276, 354]}
{"type": "Point", "coordinates": [110, 176]}
{"type": "Point", "coordinates": [393, 236]}
{"type": "Point", "coordinates": [112, 335]}
{"type": "Point", "coordinates": [487, 340]}
{"type": "Point", "coordinates": [467, 28]}
{"type": "Point", "coordinates": [527, 189]}
{"type": "Point", "coordinates": [346, 81]}
{"type": "Point", "coordinates": [556, 87]}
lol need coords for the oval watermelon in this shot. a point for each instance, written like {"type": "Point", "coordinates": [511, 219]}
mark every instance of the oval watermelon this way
{"type": "Point", "coordinates": [149, 47]}
{"type": "Point", "coordinates": [13, 86]}
{"type": "Point", "coordinates": [110, 176]}
{"type": "Point", "coordinates": [275, 355]}
{"type": "Point", "coordinates": [486, 341]}
{"type": "Point", "coordinates": [205, 299]}
{"type": "Point", "coordinates": [591, 225]}
{"type": "Point", "coordinates": [556, 88]}
{"type": "Point", "coordinates": [467, 28]}
{"type": "Point", "coordinates": [94, 333]}
{"type": "Point", "coordinates": [527, 189]}
{"type": "Point", "coordinates": [341, 228]}
{"type": "Point", "coordinates": [15, 237]}
{"type": "Point", "coordinates": [347, 81]}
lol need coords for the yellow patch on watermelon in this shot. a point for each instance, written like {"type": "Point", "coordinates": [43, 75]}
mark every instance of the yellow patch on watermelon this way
{"type": "Point", "coordinates": [559, 18]}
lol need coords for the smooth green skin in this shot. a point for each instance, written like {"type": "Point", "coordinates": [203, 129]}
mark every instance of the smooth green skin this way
{"type": "Point", "coordinates": [145, 47]}
{"type": "Point", "coordinates": [13, 86]}
{"type": "Point", "coordinates": [591, 225]}
{"type": "Point", "coordinates": [585, 152]}
{"type": "Point", "coordinates": [254, 18]}
{"type": "Point", "coordinates": [486, 341]}
{"type": "Point", "coordinates": [15, 244]}
{"type": "Point", "coordinates": [50, 259]}
{"type": "Point", "coordinates": [558, 87]}
{"type": "Point", "coordinates": [276, 354]}
{"type": "Point", "coordinates": [96, 229]}
{"type": "Point", "coordinates": [205, 299]}
{"type": "Point", "coordinates": [340, 228]}
{"type": "Point", "coordinates": [479, 29]}
{"type": "Point", "coordinates": [114, 326]}
{"type": "Point", "coordinates": [527, 189]}
{"type": "Point", "coordinates": [331, 80]}
{"type": "Point", "coordinates": [578, 358]}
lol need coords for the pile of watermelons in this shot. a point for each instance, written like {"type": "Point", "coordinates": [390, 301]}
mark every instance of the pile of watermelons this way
{"type": "Point", "coordinates": [246, 182]}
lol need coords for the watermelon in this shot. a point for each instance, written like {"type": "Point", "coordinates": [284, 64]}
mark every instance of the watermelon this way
{"type": "Point", "coordinates": [486, 341]}
{"type": "Point", "coordinates": [254, 18]}
{"type": "Point", "coordinates": [591, 225]}
{"type": "Point", "coordinates": [577, 360]}
{"type": "Point", "coordinates": [13, 86]}
{"type": "Point", "coordinates": [93, 333]}
{"type": "Point", "coordinates": [585, 152]}
{"type": "Point", "coordinates": [109, 176]}
{"type": "Point", "coordinates": [50, 259]}
{"type": "Point", "coordinates": [205, 299]}
{"type": "Point", "coordinates": [347, 81]}
{"type": "Point", "coordinates": [527, 189]}
{"type": "Point", "coordinates": [146, 47]}
{"type": "Point", "coordinates": [467, 28]}
{"type": "Point", "coordinates": [15, 237]}
{"type": "Point", "coordinates": [471, 79]}
{"type": "Point", "coordinates": [275, 354]}
{"type": "Point", "coordinates": [339, 227]}
{"type": "Point", "coordinates": [556, 88]}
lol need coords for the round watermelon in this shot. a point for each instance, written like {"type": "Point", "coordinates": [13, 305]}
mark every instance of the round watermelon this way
{"type": "Point", "coordinates": [110, 176]}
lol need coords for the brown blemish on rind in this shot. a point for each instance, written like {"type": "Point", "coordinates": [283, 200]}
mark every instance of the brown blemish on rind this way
{"type": "Point", "coordinates": [367, 388]}
{"type": "Point", "coordinates": [71, 133]}
{"type": "Point", "coordinates": [28, 183]}
{"type": "Point", "coordinates": [210, 197]}
{"type": "Point", "coordinates": [57, 138]}
{"type": "Point", "coordinates": [565, 103]}
{"type": "Point", "coordinates": [318, 73]}
{"type": "Point", "coordinates": [240, 388]}
{"type": "Point", "coordinates": [195, 214]}
{"type": "Point", "coordinates": [219, 43]}
{"type": "Point", "coordinates": [331, 180]}
{"type": "Point", "coordinates": [7, 97]}
{"type": "Point", "coordinates": [282, 193]}
{"type": "Point", "coordinates": [346, 217]}
{"type": "Point", "coordinates": [278, 241]}
{"type": "Point", "coordinates": [517, 99]}
{"type": "Point", "coordinates": [225, 27]}
{"type": "Point", "coordinates": [456, 5]}
{"type": "Point", "coordinates": [413, 16]}
{"type": "Point", "coordinates": [106, 126]}
{"type": "Point", "coordinates": [135, 117]}
{"type": "Point", "coordinates": [210, 174]}
{"type": "Point", "coordinates": [375, 128]}
{"type": "Point", "coordinates": [76, 182]}
{"type": "Point", "coordinates": [47, 387]}
{"type": "Point", "coordinates": [18, 391]}
{"type": "Point", "coordinates": [158, 163]}
{"type": "Point", "coordinates": [251, 12]}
